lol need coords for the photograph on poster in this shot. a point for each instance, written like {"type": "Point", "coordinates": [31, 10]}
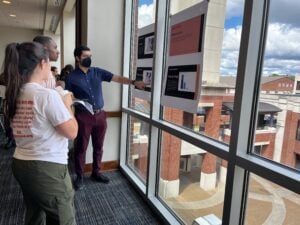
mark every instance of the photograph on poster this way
{"type": "Point", "coordinates": [146, 46]}
{"type": "Point", "coordinates": [149, 45]}
{"type": "Point", "coordinates": [183, 73]}
{"type": "Point", "coordinates": [147, 77]}
{"type": "Point", "coordinates": [182, 81]}
{"type": "Point", "coordinates": [144, 74]}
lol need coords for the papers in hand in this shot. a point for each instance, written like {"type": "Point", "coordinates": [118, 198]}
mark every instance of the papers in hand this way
{"type": "Point", "coordinates": [85, 104]}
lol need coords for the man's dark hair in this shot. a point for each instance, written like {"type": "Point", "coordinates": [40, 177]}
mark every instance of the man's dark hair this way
{"type": "Point", "coordinates": [78, 51]}
{"type": "Point", "coordinates": [42, 39]}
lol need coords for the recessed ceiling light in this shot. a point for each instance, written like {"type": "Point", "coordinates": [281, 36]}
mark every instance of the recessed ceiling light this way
{"type": "Point", "coordinates": [12, 15]}
{"type": "Point", "coordinates": [6, 2]}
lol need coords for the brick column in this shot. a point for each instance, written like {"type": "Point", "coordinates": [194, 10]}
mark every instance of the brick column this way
{"type": "Point", "coordinates": [208, 177]}
{"type": "Point", "coordinates": [290, 146]}
{"type": "Point", "coordinates": [170, 158]}
{"type": "Point", "coordinates": [223, 172]}
{"type": "Point", "coordinates": [141, 163]}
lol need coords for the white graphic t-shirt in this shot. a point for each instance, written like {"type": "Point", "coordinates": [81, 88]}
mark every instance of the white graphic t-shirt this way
{"type": "Point", "coordinates": [39, 110]}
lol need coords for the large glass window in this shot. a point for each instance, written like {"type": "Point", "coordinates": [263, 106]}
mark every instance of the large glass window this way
{"type": "Point", "coordinates": [194, 141]}
{"type": "Point", "coordinates": [277, 130]}
{"type": "Point", "coordinates": [209, 80]}
{"type": "Point", "coordinates": [142, 50]}
{"type": "Point", "coordinates": [192, 180]}
{"type": "Point", "coordinates": [138, 142]}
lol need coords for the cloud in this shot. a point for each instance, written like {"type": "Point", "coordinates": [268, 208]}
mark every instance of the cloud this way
{"type": "Point", "coordinates": [282, 55]}
{"type": "Point", "coordinates": [281, 66]}
{"type": "Point", "coordinates": [283, 41]}
{"type": "Point", "coordinates": [230, 51]}
{"type": "Point", "coordinates": [146, 15]}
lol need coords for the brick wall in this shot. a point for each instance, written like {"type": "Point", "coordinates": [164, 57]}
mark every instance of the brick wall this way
{"type": "Point", "coordinates": [290, 145]}
{"type": "Point", "coordinates": [280, 85]}
{"type": "Point", "coordinates": [267, 150]}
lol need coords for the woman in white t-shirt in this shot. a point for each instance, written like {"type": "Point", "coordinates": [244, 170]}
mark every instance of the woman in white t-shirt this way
{"type": "Point", "coordinates": [42, 122]}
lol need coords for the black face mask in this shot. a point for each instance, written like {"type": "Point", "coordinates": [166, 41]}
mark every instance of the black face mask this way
{"type": "Point", "coordinates": [86, 62]}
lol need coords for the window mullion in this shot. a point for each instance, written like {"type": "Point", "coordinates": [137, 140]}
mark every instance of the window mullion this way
{"type": "Point", "coordinates": [126, 71]}
{"type": "Point", "coordinates": [248, 73]}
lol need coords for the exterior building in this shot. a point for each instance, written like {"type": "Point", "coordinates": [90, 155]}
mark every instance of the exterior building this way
{"type": "Point", "coordinates": [269, 84]}
{"type": "Point", "coordinates": [277, 84]}
{"type": "Point", "coordinates": [297, 85]}
{"type": "Point", "coordinates": [277, 136]}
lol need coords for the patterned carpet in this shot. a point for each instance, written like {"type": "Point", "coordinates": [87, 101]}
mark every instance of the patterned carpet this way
{"type": "Point", "coordinates": [115, 203]}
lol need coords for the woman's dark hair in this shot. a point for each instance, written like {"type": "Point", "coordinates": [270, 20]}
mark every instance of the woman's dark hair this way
{"type": "Point", "coordinates": [53, 68]}
{"type": "Point", "coordinates": [69, 68]}
{"type": "Point", "coordinates": [65, 72]}
{"type": "Point", "coordinates": [19, 63]}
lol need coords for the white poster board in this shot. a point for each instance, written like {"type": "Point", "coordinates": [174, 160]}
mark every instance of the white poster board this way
{"type": "Point", "coordinates": [182, 79]}
{"type": "Point", "coordinates": [145, 61]}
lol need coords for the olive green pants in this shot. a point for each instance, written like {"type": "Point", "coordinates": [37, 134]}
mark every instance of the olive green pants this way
{"type": "Point", "coordinates": [47, 191]}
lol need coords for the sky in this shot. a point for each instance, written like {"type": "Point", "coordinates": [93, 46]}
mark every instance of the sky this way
{"type": "Point", "coordinates": [282, 53]}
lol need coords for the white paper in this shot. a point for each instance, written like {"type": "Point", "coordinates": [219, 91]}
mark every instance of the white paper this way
{"type": "Point", "coordinates": [85, 104]}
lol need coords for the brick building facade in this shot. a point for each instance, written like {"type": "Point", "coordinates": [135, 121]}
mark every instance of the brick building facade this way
{"type": "Point", "coordinates": [277, 141]}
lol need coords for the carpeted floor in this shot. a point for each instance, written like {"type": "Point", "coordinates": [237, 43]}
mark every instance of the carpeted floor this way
{"type": "Point", "coordinates": [115, 203]}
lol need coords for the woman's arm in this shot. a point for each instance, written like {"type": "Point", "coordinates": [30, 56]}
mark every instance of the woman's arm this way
{"type": "Point", "coordinates": [69, 128]}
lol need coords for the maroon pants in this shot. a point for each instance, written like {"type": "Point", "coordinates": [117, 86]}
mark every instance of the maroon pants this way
{"type": "Point", "coordinates": [94, 126]}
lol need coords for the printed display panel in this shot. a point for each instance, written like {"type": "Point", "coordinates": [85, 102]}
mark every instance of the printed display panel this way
{"type": "Point", "coordinates": [182, 80]}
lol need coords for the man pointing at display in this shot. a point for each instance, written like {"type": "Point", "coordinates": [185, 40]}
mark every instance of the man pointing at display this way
{"type": "Point", "coordinates": [86, 84]}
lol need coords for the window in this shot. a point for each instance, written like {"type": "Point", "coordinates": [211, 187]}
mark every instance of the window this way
{"type": "Point", "coordinates": [258, 150]}
{"type": "Point", "coordinates": [298, 131]}
{"type": "Point", "coordinates": [142, 47]}
{"type": "Point", "coordinates": [138, 142]}
{"type": "Point", "coordinates": [298, 86]}
{"type": "Point", "coordinates": [298, 162]}
{"type": "Point", "coordinates": [192, 181]}
{"type": "Point", "coordinates": [214, 75]}
{"type": "Point", "coordinates": [207, 132]}
{"type": "Point", "coordinates": [279, 119]}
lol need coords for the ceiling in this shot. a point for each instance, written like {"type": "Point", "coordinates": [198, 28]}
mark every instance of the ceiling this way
{"type": "Point", "coordinates": [33, 14]}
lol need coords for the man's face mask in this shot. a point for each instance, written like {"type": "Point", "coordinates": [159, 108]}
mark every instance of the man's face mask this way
{"type": "Point", "coordinates": [86, 62]}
